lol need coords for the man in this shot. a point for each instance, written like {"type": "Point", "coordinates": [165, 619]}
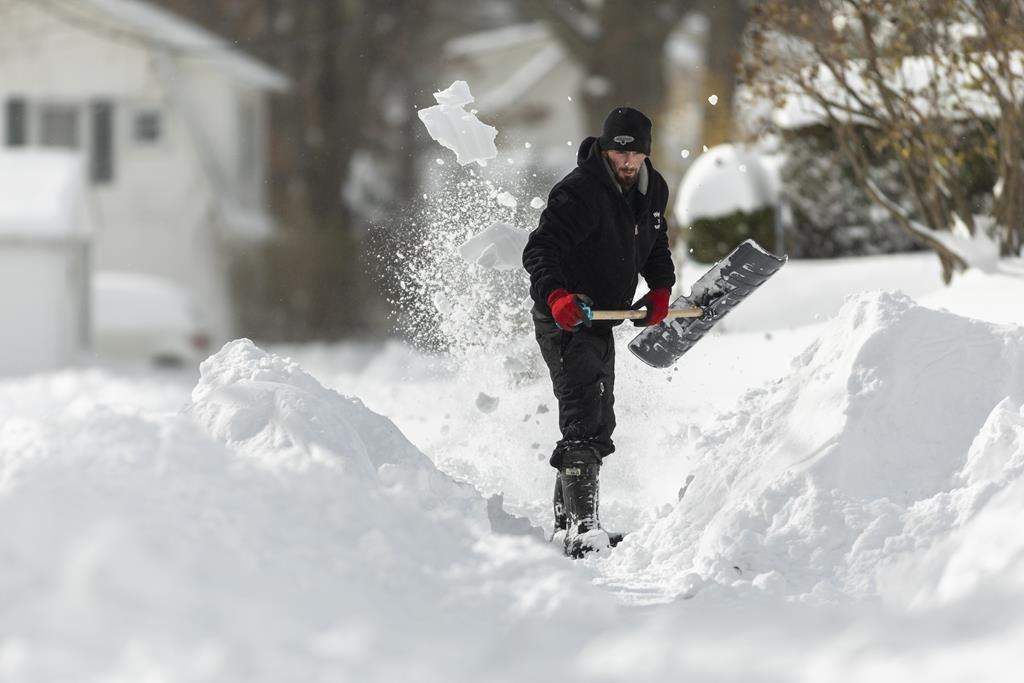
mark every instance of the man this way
{"type": "Point", "coordinates": [603, 227]}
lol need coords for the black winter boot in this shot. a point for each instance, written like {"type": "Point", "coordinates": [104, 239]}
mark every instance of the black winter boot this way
{"type": "Point", "coordinates": [580, 495]}
{"type": "Point", "coordinates": [561, 522]}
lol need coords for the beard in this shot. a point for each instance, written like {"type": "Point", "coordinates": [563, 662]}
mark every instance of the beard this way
{"type": "Point", "coordinates": [625, 175]}
{"type": "Point", "coordinates": [626, 181]}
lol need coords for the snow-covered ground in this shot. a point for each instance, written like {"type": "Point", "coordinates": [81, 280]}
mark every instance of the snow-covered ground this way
{"type": "Point", "coordinates": [854, 434]}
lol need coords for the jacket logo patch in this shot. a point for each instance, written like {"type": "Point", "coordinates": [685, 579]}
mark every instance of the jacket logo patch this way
{"type": "Point", "coordinates": [657, 220]}
{"type": "Point", "coordinates": [623, 139]}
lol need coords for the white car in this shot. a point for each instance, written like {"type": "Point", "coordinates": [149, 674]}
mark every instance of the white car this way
{"type": "Point", "coordinates": [140, 318]}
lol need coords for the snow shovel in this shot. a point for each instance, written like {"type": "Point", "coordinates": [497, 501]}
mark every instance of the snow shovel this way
{"type": "Point", "coordinates": [717, 292]}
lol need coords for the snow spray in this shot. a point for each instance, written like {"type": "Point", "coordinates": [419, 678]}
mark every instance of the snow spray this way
{"type": "Point", "coordinates": [441, 301]}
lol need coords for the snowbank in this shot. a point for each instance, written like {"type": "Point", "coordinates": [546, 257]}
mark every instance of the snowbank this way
{"type": "Point", "coordinates": [875, 446]}
{"type": "Point", "coordinates": [272, 530]}
{"type": "Point", "coordinates": [984, 558]}
{"type": "Point", "coordinates": [856, 520]}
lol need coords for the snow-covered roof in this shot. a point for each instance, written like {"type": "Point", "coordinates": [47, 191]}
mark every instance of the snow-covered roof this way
{"type": "Point", "coordinates": [523, 76]}
{"type": "Point", "coordinates": [723, 180]}
{"type": "Point", "coordinates": [166, 28]}
{"type": "Point", "coordinates": [681, 49]}
{"type": "Point", "coordinates": [42, 195]}
{"type": "Point", "coordinates": [497, 39]}
{"type": "Point", "coordinates": [523, 79]}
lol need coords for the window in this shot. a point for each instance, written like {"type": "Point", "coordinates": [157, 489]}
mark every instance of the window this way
{"type": "Point", "coordinates": [17, 122]}
{"type": "Point", "coordinates": [147, 127]}
{"type": "Point", "coordinates": [65, 125]}
{"type": "Point", "coordinates": [101, 153]}
{"type": "Point", "coordinates": [58, 126]}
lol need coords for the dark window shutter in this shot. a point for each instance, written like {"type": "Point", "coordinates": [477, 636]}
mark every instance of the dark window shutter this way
{"type": "Point", "coordinates": [17, 122]}
{"type": "Point", "coordinates": [102, 149]}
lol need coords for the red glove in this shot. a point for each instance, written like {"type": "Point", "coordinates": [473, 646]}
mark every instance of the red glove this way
{"type": "Point", "coordinates": [565, 309]}
{"type": "Point", "coordinates": [656, 303]}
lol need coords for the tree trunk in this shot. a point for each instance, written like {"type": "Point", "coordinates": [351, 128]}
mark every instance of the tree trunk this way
{"type": "Point", "coordinates": [1009, 205]}
{"type": "Point", "coordinates": [627, 66]}
{"type": "Point", "coordinates": [727, 22]}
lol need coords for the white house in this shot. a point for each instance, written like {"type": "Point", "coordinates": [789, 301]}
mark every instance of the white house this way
{"type": "Point", "coordinates": [45, 234]}
{"type": "Point", "coordinates": [171, 122]}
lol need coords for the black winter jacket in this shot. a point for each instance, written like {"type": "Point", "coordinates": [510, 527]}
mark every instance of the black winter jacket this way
{"type": "Point", "coordinates": [592, 241]}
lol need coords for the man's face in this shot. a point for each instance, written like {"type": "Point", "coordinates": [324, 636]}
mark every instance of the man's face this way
{"type": "Point", "coordinates": [626, 165]}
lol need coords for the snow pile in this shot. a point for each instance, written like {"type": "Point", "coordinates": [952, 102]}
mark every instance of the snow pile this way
{"type": "Point", "coordinates": [498, 247]}
{"type": "Point", "coordinates": [987, 554]}
{"type": "Point", "coordinates": [722, 181]}
{"type": "Point", "coordinates": [891, 431]}
{"type": "Point", "coordinates": [460, 131]}
{"type": "Point", "coordinates": [273, 530]}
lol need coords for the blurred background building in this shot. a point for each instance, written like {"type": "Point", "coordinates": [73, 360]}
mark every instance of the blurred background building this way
{"type": "Point", "coordinates": [171, 126]}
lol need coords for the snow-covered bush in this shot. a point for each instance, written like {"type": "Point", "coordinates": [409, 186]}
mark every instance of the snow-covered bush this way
{"type": "Point", "coordinates": [832, 216]}
{"type": "Point", "coordinates": [901, 83]}
{"type": "Point", "coordinates": [711, 239]}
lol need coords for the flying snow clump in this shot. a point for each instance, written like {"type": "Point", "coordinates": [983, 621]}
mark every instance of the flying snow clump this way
{"type": "Point", "coordinates": [450, 124]}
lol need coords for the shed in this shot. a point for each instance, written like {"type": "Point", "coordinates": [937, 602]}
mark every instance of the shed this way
{"type": "Point", "coordinates": [45, 238]}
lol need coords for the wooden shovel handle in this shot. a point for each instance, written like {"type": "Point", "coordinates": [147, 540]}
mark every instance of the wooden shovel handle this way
{"type": "Point", "coordinates": [694, 312]}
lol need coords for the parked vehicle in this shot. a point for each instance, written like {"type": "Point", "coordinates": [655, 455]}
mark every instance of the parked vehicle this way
{"type": "Point", "coordinates": [141, 318]}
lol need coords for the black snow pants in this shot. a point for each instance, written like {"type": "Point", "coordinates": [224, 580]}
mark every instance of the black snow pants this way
{"type": "Point", "coordinates": [582, 367]}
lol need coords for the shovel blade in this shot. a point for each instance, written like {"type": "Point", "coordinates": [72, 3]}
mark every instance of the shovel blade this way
{"type": "Point", "coordinates": [728, 283]}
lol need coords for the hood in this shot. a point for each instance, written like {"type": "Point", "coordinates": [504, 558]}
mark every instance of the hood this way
{"type": "Point", "coordinates": [587, 149]}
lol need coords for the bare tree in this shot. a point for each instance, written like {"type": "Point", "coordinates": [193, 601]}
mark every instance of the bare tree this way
{"type": "Point", "coordinates": [353, 63]}
{"type": "Point", "coordinates": [908, 82]}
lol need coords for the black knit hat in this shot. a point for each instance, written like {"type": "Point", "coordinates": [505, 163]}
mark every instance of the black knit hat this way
{"type": "Point", "coordinates": [626, 130]}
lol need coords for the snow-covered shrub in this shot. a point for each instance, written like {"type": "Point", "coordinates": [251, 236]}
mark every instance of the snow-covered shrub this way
{"type": "Point", "coordinates": [711, 239]}
{"type": "Point", "coordinates": [831, 215]}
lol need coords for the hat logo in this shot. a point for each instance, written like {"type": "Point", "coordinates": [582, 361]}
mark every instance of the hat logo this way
{"type": "Point", "coordinates": [623, 139]}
